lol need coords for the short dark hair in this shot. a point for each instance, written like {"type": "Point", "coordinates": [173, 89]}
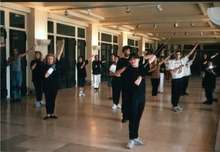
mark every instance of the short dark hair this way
{"type": "Point", "coordinates": [133, 55]}
{"type": "Point", "coordinates": [126, 47]}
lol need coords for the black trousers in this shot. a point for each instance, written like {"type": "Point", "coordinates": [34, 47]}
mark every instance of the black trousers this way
{"type": "Point", "coordinates": [125, 103]}
{"type": "Point", "coordinates": [50, 96]}
{"type": "Point", "coordinates": [185, 84]}
{"type": "Point", "coordinates": [136, 108]}
{"type": "Point", "coordinates": [209, 94]}
{"type": "Point", "coordinates": [116, 89]}
{"type": "Point", "coordinates": [155, 84]}
{"type": "Point", "coordinates": [38, 85]}
{"type": "Point", "coordinates": [176, 91]}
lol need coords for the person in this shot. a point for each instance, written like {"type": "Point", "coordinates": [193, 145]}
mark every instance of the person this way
{"type": "Point", "coordinates": [134, 75]}
{"type": "Point", "coordinates": [162, 73]}
{"type": "Point", "coordinates": [110, 76]}
{"type": "Point", "coordinates": [96, 71]}
{"type": "Point", "coordinates": [81, 74]}
{"type": "Point", "coordinates": [116, 84]}
{"type": "Point", "coordinates": [50, 81]}
{"type": "Point", "coordinates": [120, 68]}
{"type": "Point", "coordinates": [175, 66]}
{"type": "Point", "coordinates": [16, 73]}
{"type": "Point", "coordinates": [37, 77]}
{"type": "Point", "coordinates": [155, 75]}
{"type": "Point", "coordinates": [187, 73]}
{"type": "Point", "coordinates": [209, 80]}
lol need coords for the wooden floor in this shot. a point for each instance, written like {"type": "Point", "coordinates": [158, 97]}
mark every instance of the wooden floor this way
{"type": "Point", "coordinates": [87, 124]}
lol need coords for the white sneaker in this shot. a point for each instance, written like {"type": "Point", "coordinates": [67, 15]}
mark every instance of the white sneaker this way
{"type": "Point", "coordinates": [80, 94]}
{"type": "Point", "coordinates": [176, 109]}
{"type": "Point", "coordinates": [42, 102]}
{"type": "Point", "coordinates": [119, 106]}
{"type": "Point", "coordinates": [37, 104]}
{"type": "Point", "coordinates": [83, 94]}
{"type": "Point", "coordinates": [138, 141]}
{"type": "Point", "coordinates": [114, 107]}
{"type": "Point", "coordinates": [180, 108]}
{"type": "Point", "coordinates": [130, 144]}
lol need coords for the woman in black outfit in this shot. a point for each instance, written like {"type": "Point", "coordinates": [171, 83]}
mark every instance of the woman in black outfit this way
{"type": "Point", "coordinates": [50, 82]}
{"type": "Point", "coordinates": [135, 77]}
{"type": "Point", "coordinates": [37, 77]}
{"type": "Point", "coordinates": [81, 74]}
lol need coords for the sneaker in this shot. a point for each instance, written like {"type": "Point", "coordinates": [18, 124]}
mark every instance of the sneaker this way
{"type": "Point", "coordinates": [176, 109]}
{"type": "Point", "coordinates": [180, 108]}
{"type": "Point", "coordinates": [37, 104]}
{"type": "Point", "coordinates": [207, 103]}
{"type": "Point", "coordinates": [42, 102]}
{"type": "Point", "coordinates": [83, 94]}
{"type": "Point", "coordinates": [114, 107]}
{"type": "Point", "coordinates": [138, 141]}
{"type": "Point", "coordinates": [119, 106]}
{"type": "Point", "coordinates": [47, 117]}
{"type": "Point", "coordinates": [130, 144]}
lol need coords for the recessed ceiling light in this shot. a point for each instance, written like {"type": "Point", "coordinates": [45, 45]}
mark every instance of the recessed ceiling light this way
{"type": "Point", "coordinates": [201, 33]}
{"type": "Point", "coordinates": [192, 24]}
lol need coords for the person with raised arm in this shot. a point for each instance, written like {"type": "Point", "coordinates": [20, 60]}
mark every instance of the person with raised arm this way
{"type": "Point", "coordinates": [16, 72]}
{"type": "Point", "coordinates": [155, 74]}
{"type": "Point", "coordinates": [187, 73]}
{"type": "Point", "coordinates": [50, 81]}
{"type": "Point", "coordinates": [175, 66]}
{"type": "Point", "coordinates": [81, 73]}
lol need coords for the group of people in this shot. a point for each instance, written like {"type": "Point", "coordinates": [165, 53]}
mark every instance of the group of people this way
{"type": "Point", "coordinates": [127, 73]}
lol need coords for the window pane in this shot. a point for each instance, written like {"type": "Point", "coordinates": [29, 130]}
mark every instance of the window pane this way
{"type": "Point", "coordinates": [130, 42]}
{"type": "Point", "coordinates": [136, 43]}
{"type": "Point", "coordinates": [65, 30]}
{"type": "Point", "coordinates": [50, 27]}
{"type": "Point", "coordinates": [81, 32]}
{"type": "Point", "coordinates": [17, 20]}
{"type": "Point", "coordinates": [51, 45]}
{"type": "Point", "coordinates": [115, 39]}
{"type": "Point", "coordinates": [2, 18]}
{"type": "Point", "coordinates": [106, 37]}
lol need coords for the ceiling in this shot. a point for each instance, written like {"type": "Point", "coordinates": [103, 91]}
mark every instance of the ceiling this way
{"type": "Point", "coordinates": [179, 21]}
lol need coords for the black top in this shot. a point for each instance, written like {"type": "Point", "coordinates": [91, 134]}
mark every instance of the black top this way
{"type": "Point", "coordinates": [162, 68]}
{"type": "Point", "coordinates": [50, 82]}
{"type": "Point", "coordinates": [37, 73]}
{"type": "Point", "coordinates": [96, 67]}
{"type": "Point", "coordinates": [130, 76]}
{"type": "Point", "coordinates": [122, 62]}
{"type": "Point", "coordinates": [81, 72]}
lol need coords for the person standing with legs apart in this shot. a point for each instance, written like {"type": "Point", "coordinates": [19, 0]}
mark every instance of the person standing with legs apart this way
{"type": "Point", "coordinates": [50, 81]}
{"type": "Point", "coordinates": [135, 77]}
{"type": "Point", "coordinates": [187, 73]}
{"type": "Point", "coordinates": [16, 73]}
{"type": "Point", "coordinates": [96, 71]}
{"type": "Point", "coordinates": [37, 77]}
{"type": "Point", "coordinates": [81, 74]}
{"type": "Point", "coordinates": [116, 85]}
{"type": "Point", "coordinates": [175, 66]}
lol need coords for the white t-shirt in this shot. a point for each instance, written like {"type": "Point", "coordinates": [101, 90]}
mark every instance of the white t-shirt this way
{"type": "Point", "coordinates": [187, 69]}
{"type": "Point", "coordinates": [112, 68]}
{"type": "Point", "coordinates": [172, 64]}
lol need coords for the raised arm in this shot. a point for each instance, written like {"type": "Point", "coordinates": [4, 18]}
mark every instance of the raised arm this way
{"type": "Point", "coordinates": [212, 57]}
{"type": "Point", "coordinates": [193, 50]}
{"type": "Point", "coordinates": [166, 59]}
{"type": "Point", "coordinates": [59, 53]}
{"type": "Point", "coordinates": [32, 49]}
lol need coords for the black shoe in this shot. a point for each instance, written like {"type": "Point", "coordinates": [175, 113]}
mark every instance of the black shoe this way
{"type": "Point", "coordinates": [54, 117]}
{"type": "Point", "coordinates": [124, 120]}
{"type": "Point", "coordinates": [207, 103]}
{"type": "Point", "coordinates": [186, 94]}
{"type": "Point", "coordinates": [215, 100]}
{"type": "Point", "coordinates": [46, 117]}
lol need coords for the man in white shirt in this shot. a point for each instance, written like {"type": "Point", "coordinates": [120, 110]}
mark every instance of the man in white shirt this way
{"type": "Point", "coordinates": [175, 66]}
{"type": "Point", "coordinates": [187, 73]}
